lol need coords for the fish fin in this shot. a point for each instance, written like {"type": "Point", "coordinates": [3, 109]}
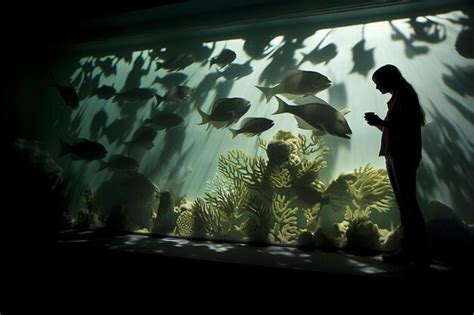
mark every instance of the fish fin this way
{"type": "Point", "coordinates": [345, 111]}
{"type": "Point", "coordinates": [267, 91]}
{"type": "Point", "coordinates": [64, 147]}
{"type": "Point", "coordinates": [302, 124]}
{"type": "Point", "coordinates": [102, 165]}
{"type": "Point", "coordinates": [158, 99]}
{"type": "Point", "coordinates": [204, 116]}
{"type": "Point", "coordinates": [310, 99]}
{"type": "Point", "coordinates": [234, 133]}
{"type": "Point", "coordinates": [318, 133]}
{"type": "Point", "coordinates": [290, 72]}
{"type": "Point", "coordinates": [246, 120]}
{"type": "Point", "coordinates": [282, 106]}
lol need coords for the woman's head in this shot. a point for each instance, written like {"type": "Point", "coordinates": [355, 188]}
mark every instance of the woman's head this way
{"type": "Point", "coordinates": [388, 78]}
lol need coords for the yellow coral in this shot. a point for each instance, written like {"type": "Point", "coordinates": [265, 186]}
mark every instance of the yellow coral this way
{"type": "Point", "coordinates": [285, 228]}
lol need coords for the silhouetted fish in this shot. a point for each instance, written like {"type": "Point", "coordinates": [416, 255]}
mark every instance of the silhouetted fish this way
{"type": "Point", "coordinates": [176, 63]}
{"type": "Point", "coordinates": [164, 120]}
{"type": "Point", "coordinates": [69, 95]}
{"type": "Point", "coordinates": [105, 92]}
{"type": "Point", "coordinates": [83, 150]}
{"type": "Point", "coordinates": [253, 126]}
{"type": "Point", "coordinates": [119, 162]}
{"type": "Point", "coordinates": [225, 111]}
{"type": "Point", "coordinates": [224, 58]}
{"type": "Point", "coordinates": [143, 137]}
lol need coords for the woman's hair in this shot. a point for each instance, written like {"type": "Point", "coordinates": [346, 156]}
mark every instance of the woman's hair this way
{"type": "Point", "coordinates": [389, 77]}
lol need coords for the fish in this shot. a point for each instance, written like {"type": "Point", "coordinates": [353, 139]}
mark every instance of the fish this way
{"type": "Point", "coordinates": [68, 94]}
{"type": "Point", "coordinates": [253, 126]}
{"type": "Point", "coordinates": [225, 111]}
{"type": "Point", "coordinates": [223, 59]}
{"type": "Point", "coordinates": [118, 128]}
{"type": "Point", "coordinates": [105, 92]}
{"type": "Point", "coordinates": [176, 63]}
{"type": "Point", "coordinates": [164, 120]}
{"type": "Point", "coordinates": [143, 137]}
{"type": "Point", "coordinates": [317, 115]}
{"type": "Point", "coordinates": [119, 162]}
{"type": "Point", "coordinates": [236, 71]}
{"type": "Point", "coordinates": [171, 79]}
{"type": "Point", "coordinates": [138, 95]}
{"type": "Point", "coordinates": [178, 93]}
{"type": "Point", "coordinates": [298, 82]}
{"type": "Point", "coordinates": [320, 55]}
{"type": "Point", "coordinates": [83, 149]}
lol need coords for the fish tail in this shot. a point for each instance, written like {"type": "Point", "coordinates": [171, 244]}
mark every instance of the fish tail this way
{"type": "Point", "coordinates": [102, 165]}
{"type": "Point", "coordinates": [211, 63]}
{"type": "Point", "coordinates": [302, 60]}
{"type": "Point", "coordinates": [234, 133]}
{"type": "Point", "coordinates": [158, 99]}
{"type": "Point", "coordinates": [64, 147]}
{"type": "Point", "coordinates": [204, 116]}
{"type": "Point", "coordinates": [282, 106]}
{"type": "Point", "coordinates": [267, 91]}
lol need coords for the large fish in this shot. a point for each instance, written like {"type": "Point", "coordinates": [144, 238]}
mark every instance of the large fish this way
{"type": "Point", "coordinates": [177, 93]}
{"type": "Point", "coordinates": [69, 95]}
{"type": "Point", "coordinates": [138, 95]}
{"type": "Point", "coordinates": [119, 162]}
{"type": "Point", "coordinates": [84, 149]}
{"type": "Point", "coordinates": [225, 111]}
{"type": "Point", "coordinates": [298, 82]}
{"type": "Point", "coordinates": [164, 120]}
{"type": "Point", "coordinates": [253, 126]}
{"type": "Point", "coordinates": [224, 58]}
{"type": "Point", "coordinates": [317, 115]}
{"type": "Point", "coordinates": [143, 137]}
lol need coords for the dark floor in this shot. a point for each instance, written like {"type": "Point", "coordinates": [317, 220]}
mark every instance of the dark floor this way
{"type": "Point", "coordinates": [122, 268]}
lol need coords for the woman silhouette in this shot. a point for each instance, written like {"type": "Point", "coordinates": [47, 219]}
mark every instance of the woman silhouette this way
{"type": "Point", "coordinates": [401, 146]}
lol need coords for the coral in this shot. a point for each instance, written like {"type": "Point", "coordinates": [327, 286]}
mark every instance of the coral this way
{"type": "Point", "coordinates": [311, 216]}
{"type": "Point", "coordinates": [189, 224]}
{"type": "Point", "coordinates": [278, 153]}
{"type": "Point", "coordinates": [209, 217]}
{"type": "Point", "coordinates": [257, 220]}
{"type": "Point", "coordinates": [362, 234]}
{"type": "Point", "coordinates": [372, 189]}
{"type": "Point", "coordinates": [285, 228]}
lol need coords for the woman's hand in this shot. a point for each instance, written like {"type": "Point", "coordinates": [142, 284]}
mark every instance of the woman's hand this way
{"type": "Point", "coordinates": [372, 119]}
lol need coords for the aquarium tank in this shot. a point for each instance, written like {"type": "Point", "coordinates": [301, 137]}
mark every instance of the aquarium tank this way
{"type": "Point", "coordinates": [184, 122]}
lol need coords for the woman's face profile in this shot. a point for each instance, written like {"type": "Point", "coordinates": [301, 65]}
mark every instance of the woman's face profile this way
{"type": "Point", "coordinates": [379, 87]}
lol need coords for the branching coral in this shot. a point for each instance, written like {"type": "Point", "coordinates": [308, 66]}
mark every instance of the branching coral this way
{"type": "Point", "coordinates": [311, 216]}
{"type": "Point", "coordinates": [285, 228]}
{"type": "Point", "coordinates": [372, 189]}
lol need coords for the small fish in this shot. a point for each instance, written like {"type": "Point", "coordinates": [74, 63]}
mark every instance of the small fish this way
{"type": "Point", "coordinates": [225, 111]}
{"type": "Point", "coordinates": [138, 95]}
{"type": "Point", "coordinates": [253, 126]}
{"type": "Point", "coordinates": [178, 93]}
{"type": "Point", "coordinates": [119, 162]}
{"type": "Point", "coordinates": [176, 63]}
{"type": "Point", "coordinates": [320, 55]}
{"type": "Point", "coordinates": [69, 95]}
{"type": "Point", "coordinates": [236, 71]}
{"type": "Point", "coordinates": [138, 186]}
{"type": "Point", "coordinates": [118, 128]}
{"type": "Point", "coordinates": [143, 137]}
{"type": "Point", "coordinates": [171, 79]}
{"type": "Point", "coordinates": [224, 58]}
{"type": "Point", "coordinates": [83, 150]}
{"type": "Point", "coordinates": [318, 116]}
{"type": "Point", "coordinates": [164, 120]}
{"type": "Point", "coordinates": [105, 92]}
{"type": "Point", "coordinates": [298, 82]}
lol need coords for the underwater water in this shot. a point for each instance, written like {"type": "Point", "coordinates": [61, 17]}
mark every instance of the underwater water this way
{"type": "Point", "coordinates": [197, 137]}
